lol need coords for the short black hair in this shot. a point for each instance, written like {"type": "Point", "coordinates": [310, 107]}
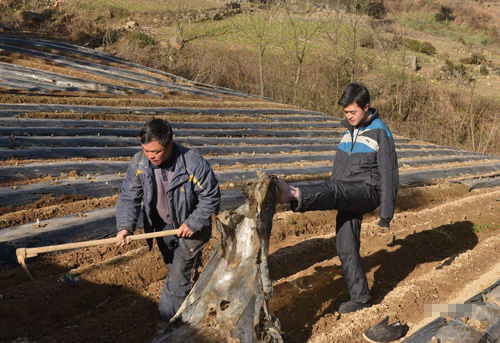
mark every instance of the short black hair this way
{"type": "Point", "coordinates": [158, 129]}
{"type": "Point", "coordinates": [355, 93]}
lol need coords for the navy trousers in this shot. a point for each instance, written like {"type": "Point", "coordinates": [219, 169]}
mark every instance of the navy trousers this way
{"type": "Point", "coordinates": [352, 200]}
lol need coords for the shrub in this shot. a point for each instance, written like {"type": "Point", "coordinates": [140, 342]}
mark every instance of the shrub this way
{"type": "Point", "coordinates": [494, 32]}
{"type": "Point", "coordinates": [366, 40]}
{"type": "Point", "coordinates": [423, 47]}
{"type": "Point", "coordinates": [455, 70]}
{"type": "Point", "coordinates": [474, 58]}
{"type": "Point", "coordinates": [483, 70]}
{"type": "Point", "coordinates": [141, 38]}
{"type": "Point", "coordinates": [444, 15]}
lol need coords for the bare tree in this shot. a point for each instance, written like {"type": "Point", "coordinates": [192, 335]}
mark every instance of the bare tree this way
{"type": "Point", "coordinates": [356, 9]}
{"type": "Point", "coordinates": [255, 25]}
{"type": "Point", "coordinates": [304, 24]}
{"type": "Point", "coordinates": [334, 34]}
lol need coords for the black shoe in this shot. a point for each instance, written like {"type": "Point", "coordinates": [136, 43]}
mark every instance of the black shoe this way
{"type": "Point", "coordinates": [383, 332]}
{"type": "Point", "coordinates": [352, 306]}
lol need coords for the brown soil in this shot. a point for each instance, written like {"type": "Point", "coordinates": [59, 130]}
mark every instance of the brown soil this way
{"type": "Point", "coordinates": [49, 207]}
{"type": "Point", "coordinates": [441, 240]}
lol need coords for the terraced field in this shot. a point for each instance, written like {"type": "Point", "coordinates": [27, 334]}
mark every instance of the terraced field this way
{"type": "Point", "coordinates": [69, 123]}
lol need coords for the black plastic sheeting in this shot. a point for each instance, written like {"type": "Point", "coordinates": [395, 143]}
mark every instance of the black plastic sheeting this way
{"type": "Point", "coordinates": [91, 225]}
{"type": "Point", "coordinates": [6, 123]}
{"type": "Point", "coordinates": [108, 141]}
{"type": "Point", "coordinates": [457, 330]}
{"type": "Point", "coordinates": [231, 199]}
{"type": "Point", "coordinates": [109, 71]}
{"type": "Point", "coordinates": [27, 194]}
{"type": "Point", "coordinates": [35, 170]}
{"type": "Point", "coordinates": [19, 77]}
{"type": "Point", "coordinates": [85, 52]}
{"type": "Point", "coordinates": [109, 185]}
{"type": "Point", "coordinates": [231, 112]}
{"type": "Point", "coordinates": [79, 131]}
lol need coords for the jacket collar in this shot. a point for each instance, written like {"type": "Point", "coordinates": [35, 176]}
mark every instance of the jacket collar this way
{"type": "Point", "coordinates": [374, 115]}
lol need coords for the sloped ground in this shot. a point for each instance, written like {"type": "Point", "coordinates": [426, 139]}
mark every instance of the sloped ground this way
{"type": "Point", "coordinates": [68, 127]}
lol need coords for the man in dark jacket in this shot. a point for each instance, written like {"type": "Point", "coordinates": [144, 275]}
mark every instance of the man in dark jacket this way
{"type": "Point", "coordinates": [365, 175]}
{"type": "Point", "coordinates": [178, 190]}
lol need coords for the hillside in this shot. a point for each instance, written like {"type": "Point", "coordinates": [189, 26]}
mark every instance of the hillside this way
{"type": "Point", "coordinates": [69, 120]}
{"type": "Point", "coordinates": [433, 67]}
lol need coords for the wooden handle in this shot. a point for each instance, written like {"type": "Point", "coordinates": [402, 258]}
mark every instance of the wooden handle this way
{"type": "Point", "coordinates": [32, 252]}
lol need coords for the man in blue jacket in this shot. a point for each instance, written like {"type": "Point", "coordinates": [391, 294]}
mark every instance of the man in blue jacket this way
{"type": "Point", "coordinates": [178, 190]}
{"type": "Point", "coordinates": [365, 175]}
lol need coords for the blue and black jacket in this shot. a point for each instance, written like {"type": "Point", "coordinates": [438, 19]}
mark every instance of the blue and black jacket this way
{"type": "Point", "coordinates": [370, 158]}
{"type": "Point", "coordinates": [366, 159]}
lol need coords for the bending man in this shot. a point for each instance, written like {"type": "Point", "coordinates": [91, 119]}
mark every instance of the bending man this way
{"type": "Point", "coordinates": [178, 189]}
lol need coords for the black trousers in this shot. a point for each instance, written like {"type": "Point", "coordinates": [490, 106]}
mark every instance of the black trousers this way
{"type": "Point", "coordinates": [352, 200]}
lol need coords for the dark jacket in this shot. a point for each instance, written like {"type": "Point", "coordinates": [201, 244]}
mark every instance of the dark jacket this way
{"type": "Point", "coordinates": [192, 197]}
{"type": "Point", "coordinates": [371, 160]}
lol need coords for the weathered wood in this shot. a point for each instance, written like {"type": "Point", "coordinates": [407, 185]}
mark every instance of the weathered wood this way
{"type": "Point", "coordinates": [32, 252]}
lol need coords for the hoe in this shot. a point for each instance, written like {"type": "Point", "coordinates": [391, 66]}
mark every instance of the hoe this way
{"type": "Point", "coordinates": [24, 253]}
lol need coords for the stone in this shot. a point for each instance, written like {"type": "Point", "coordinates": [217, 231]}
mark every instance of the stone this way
{"type": "Point", "coordinates": [411, 62]}
{"type": "Point", "coordinates": [176, 43]}
{"type": "Point", "coordinates": [130, 25]}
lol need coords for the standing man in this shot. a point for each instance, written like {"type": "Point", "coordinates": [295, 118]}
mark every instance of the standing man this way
{"type": "Point", "coordinates": [365, 175]}
{"type": "Point", "coordinates": [178, 190]}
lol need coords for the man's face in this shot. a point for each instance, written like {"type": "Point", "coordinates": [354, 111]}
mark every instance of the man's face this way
{"type": "Point", "coordinates": [355, 114]}
{"type": "Point", "coordinates": [156, 152]}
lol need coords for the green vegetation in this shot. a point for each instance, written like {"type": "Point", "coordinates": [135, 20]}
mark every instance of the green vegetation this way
{"type": "Point", "coordinates": [455, 70]}
{"type": "Point", "coordinates": [475, 58]}
{"type": "Point", "coordinates": [143, 6]}
{"type": "Point", "coordinates": [483, 227]}
{"type": "Point", "coordinates": [423, 47]}
{"type": "Point", "coordinates": [463, 33]}
{"type": "Point", "coordinates": [141, 38]}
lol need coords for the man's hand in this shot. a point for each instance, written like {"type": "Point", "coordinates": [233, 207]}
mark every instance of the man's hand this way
{"type": "Point", "coordinates": [122, 236]}
{"type": "Point", "coordinates": [384, 222]}
{"type": "Point", "coordinates": [184, 231]}
{"type": "Point", "coordinates": [286, 192]}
